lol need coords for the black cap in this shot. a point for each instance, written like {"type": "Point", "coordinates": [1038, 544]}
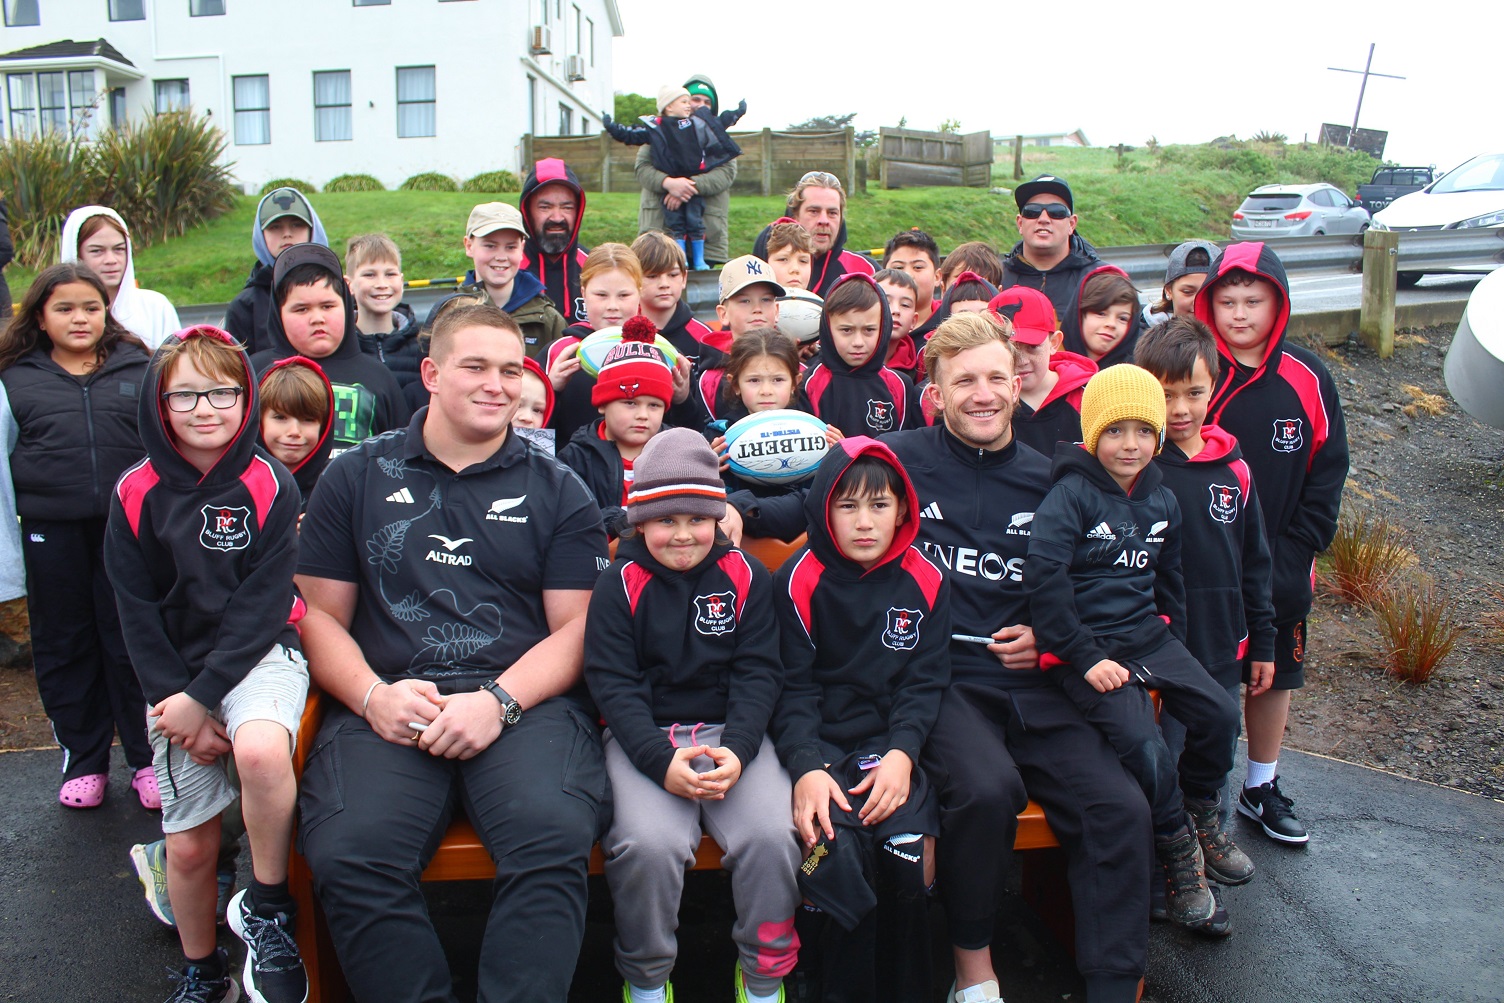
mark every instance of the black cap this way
{"type": "Point", "coordinates": [1045, 184]}
{"type": "Point", "coordinates": [306, 254]}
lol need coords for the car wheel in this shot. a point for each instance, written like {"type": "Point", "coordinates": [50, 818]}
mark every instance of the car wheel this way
{"type": "Point", "coordinates": [1363, 228]}
{"type": "Point", "coordinates": [1319, 233]}
{"type": "Point", "coordinates": [1408, 280]}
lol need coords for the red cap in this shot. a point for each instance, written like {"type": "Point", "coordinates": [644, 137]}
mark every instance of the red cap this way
{"type": "Point", "coordinates": [1029, 310]}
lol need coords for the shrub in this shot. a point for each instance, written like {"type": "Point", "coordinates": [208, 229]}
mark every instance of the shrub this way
{"type": "Point", "coordinates": [354, 183]}
{"type": "Point", "coordinates": [1364, 557]}
{"type": "Point", "coordinates": [430, 181]}
{"type": "Point", "coordinates": [493, 181]}
{"type": "Point", "coordinates": [307, 188]}
{"type": "Point", "coordinates": [163, 174]}
{"type": "Point", "coordinates": [42, 179]}
{"type": "Point", "coordinates": [1420, 627]}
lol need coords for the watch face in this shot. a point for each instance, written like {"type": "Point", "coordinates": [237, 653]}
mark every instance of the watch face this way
{"type": "Point", "coordinates": [513, 713]}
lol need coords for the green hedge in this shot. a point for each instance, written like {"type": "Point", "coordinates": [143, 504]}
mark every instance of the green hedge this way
{"type": "Point", "coordinates": [354, 183]}
{"type": "Point", "coordinates": [492, 181]}
{"type": "Point", "coordinates": [430, 181]}
{"type": "Point", "coordinates": [306, 187]}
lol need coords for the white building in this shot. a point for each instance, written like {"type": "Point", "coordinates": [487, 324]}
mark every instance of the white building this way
{"type": "Point", "coordinates": [316, 88]}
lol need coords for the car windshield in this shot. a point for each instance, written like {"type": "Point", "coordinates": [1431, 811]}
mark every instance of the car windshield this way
{"type": "Point", "coordinates": [1481, 174]}
{"type": "Point", "coordinates": [1277, 202]}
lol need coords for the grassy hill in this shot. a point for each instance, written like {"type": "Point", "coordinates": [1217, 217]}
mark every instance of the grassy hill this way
{"type": "Point", "coordinates": [1161, 196]}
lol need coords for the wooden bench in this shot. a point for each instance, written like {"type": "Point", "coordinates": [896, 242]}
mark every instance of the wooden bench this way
{"type": "Point", "coordinates": [462, 856]}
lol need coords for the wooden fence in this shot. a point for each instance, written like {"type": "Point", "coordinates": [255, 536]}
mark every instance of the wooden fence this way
{"type": "Point", "coordinates": [771, 162]}
{"type": "Point", "coordinates": [910, 158]}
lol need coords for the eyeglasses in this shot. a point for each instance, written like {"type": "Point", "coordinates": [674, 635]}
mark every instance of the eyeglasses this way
{"type": "Point", "coordinates": [1053, 209]}
{"type": "Point", "coordinates": [220, 398]}
{"type": "Point", "coordinates": [822, 178]}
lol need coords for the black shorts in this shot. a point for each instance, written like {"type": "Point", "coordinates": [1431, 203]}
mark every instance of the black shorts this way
{"type": "Point", "coordinates": [1289, 657]}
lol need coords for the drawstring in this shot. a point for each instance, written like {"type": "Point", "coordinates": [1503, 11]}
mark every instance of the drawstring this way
{"type": "Point", "coordinates": [694, 734]}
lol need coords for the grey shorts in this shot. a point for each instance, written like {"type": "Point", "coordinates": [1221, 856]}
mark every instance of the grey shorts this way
{"type": "Point", "coordinates": [275, 690]}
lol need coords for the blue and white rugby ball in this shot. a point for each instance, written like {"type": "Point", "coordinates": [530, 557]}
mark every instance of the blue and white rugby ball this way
{"type": "Point", "coordinates": [594, 346]}
{"type": "Point", "coordinates": [776, 447]}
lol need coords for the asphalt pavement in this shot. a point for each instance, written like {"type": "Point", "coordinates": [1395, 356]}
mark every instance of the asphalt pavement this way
{"type": "Point", "coordinates": [1398, 896]}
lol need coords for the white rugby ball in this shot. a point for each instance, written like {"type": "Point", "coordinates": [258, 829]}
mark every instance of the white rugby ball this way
{"type": "Point", "coordinates": [594, 346]}
{"type": "Point", "coordinates": [776, 447]}
{"type": "Point", "coordinates": [799, 315]}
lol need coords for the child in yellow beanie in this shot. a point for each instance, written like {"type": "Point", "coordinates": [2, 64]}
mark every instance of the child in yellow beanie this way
{"type": "Point", "coordinates": [1108, 604]}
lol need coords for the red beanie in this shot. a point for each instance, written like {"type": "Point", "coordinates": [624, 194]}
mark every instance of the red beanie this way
{"type": "Point", "coordinates": [634, 368]}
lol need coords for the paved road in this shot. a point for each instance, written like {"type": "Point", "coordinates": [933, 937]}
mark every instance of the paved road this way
{"type": "Point", "coordinates": [1397, 897]}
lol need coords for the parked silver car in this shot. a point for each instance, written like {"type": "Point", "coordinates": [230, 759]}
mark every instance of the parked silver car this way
{"type": "Point", "coordinates": [1297, 211]}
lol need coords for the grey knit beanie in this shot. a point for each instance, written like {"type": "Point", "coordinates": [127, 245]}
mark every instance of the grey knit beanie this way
{"type": "Point", "coordinates": [676, 472]}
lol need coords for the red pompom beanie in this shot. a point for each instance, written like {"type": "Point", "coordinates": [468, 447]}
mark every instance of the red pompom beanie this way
{"type": "Point", "coordinates": [634, 368]}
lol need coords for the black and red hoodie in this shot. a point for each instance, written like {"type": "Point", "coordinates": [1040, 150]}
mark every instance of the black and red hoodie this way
{"type": "Point", "coordinates": [869, 399]}
{"type": "Point", "coordinates": [559, 273]}
{"type": "Point", "coordinates": [306, 472]}
{"type": "Point", "coordinates": [202, 563]}
{"type": "Point", "coordinates": [1103, 564]}
{"type": "Point", "coordinates": [573, 409]}
{"type": "Point", "coordinates": [1058, 417]}
{"type": "Point", "coordinates": [1285, 413]}
{"type": "Point", "coordinates": [601, 467]}
{"type": "Point", "coordinates": [1224, 556]}
{"type": "Point", "coordinates": [865, 653]}
{"type": "Point", "coordinates": [665, 647]}
{"type": "Point", "coordinates": [1074, 342]}
{"type": "Point", "coordinates": [827, 269]}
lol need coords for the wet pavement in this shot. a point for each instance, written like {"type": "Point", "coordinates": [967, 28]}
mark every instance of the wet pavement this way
{"type": "Point", "coordinates": [1398, 896]}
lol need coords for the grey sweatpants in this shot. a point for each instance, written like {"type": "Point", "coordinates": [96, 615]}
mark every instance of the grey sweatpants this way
{"type": "Point", "coordinates": [652, 842]}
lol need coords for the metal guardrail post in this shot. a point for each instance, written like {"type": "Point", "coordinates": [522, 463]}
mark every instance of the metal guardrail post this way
{"type": "Point", "coordinates": [1376, 318]}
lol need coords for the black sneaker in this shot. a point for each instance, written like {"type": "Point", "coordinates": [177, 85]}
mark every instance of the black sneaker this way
{"type": "Point", "coordinates": [1272, 810]}
{"type": "Point", "coordinates": [1188, 900]}
{"type": "Point", "coordinates": [194, 987]}
{"type": "Point", "coordinates": [1225, 863]}
{"type": "Point", "coordinates": [273, 968]}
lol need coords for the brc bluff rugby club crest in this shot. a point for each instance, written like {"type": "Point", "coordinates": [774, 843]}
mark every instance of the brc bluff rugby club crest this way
{"type": "Point", "coordinates": [902, 631]}
{"type": "Point", "coordinates": [1287, 435]}
{"type": "Point", "coordinates": [880, 415]}
{"type": "Point", "coordinates": [1225, 498]}
{"type": "Point", "coordinates": [225, 527]}
{"type": "Point", "coordinates": [716, 613]}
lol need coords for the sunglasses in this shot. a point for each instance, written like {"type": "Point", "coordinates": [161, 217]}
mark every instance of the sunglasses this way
{"type": "Point", "coordinates": [822, 178]}
{"type": "Point", "coordinates": [1053, 209]}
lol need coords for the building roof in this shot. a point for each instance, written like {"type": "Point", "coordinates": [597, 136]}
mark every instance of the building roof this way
{"type": "Point", "coordinates": [69, 49]}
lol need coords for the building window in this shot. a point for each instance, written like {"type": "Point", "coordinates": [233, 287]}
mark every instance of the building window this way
{"type": "Point", "coordinates": [584, 126]}
{"type": "Point", "coordinates": [566, 119]}
{"type": "Point", "coordinates": [253, 110]}
{"type": "Point", "coordinates": [127, 10]}
{"type": "Point", "coordinates": [205, 8]}
{"type": "Point", "coordinates": [20, 13]}
{"type": "Point", "coordinates": [417, 106]}
{"type": "Point", "coordinates": [372, 3]}
{"type": "Point", "coordinates": [332, 120]}
{"type": "Point", "coordinates": [590, 31]}
{"type": "Point", "coordinates": [172, 95]}
{"type": "Point", "coordinates": [532, 105]}
{"type": "Point", "coordinates": [117, 107]}
{"type": "Point", "coordinates": [23, 104]}
{"type": "Point", "coordinates": [81, 101]}
{"type": "Point", "coordinates": [52, 100]}
{"type": "Point", "coordinates": [577, 35]}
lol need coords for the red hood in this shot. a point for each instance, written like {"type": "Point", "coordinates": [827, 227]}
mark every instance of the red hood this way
{"type": "Point", "coordinates": [822, 486]}
{"type": "Point", "coordinates": [531, 365]}
{"type": "Point", "coordinates": [320, 448]}
{"type": "Point", "coordinates": [1219, 445]}
{"type": "Point", "coordinates": [544, 172]}
{"type": "Point", "coordinates": [1258, 259]}
{"type": "Point", "coordinates": [1074, 372]}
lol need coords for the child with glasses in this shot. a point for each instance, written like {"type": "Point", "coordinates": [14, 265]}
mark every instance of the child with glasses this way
{"type": "Point", "coordinates": [201, 546]}
{"type": "Point", "coordinates": [685, 141]}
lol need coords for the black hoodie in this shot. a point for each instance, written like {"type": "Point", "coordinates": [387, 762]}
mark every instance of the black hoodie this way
{"type": "Point", "coordinates": [1060, 284]}
{"type": "Point", "coordinates": [368, 399]}
{"type": "Point", "coordinates": [867, 400]}
{"type": "Point", "coordinates": [976, 506]}
{"type": "Point", "coordinates": [559, 273]}
{"type": "Point", "coordinates": [1103, 564]}
{"type": "Point", "coordinates": [666, 647]}
{"type": "Point", "coordinates": [306, 472]}
{"type": "Point", "coordinates": [1287, 417]}
{"type": "Point", "coordinates": [399, 350]}
{"type": "Point", "coordinates": [202, 563]}
{"type": "Point", "coordinates": [252, 307]}
{"type": "Point", "coordinates": [865, 653]}
{"type": "Point", "coordinates": [1225, 556]}
{"type": "Point", "coordinates": [598, 462]}
{"type": "Point", "coordinates": [1123, 350]}
{"type": "Point", "coordinates": [825, 270]}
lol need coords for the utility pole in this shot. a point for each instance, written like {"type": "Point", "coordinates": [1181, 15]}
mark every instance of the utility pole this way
{"type": "Point", "coordinates": [1367, 72]}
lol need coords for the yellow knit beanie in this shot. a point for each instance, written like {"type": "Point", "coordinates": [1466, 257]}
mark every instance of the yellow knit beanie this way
{"type": "Point", "coordinates": [1119, 393]}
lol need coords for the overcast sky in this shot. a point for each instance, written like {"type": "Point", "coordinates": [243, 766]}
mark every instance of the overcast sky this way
{"type": "Point", "coordinates": [1122, 72]}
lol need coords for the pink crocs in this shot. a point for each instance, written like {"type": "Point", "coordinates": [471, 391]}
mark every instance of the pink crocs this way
{"type": "Point", "coordinates": [145, 785]}
{"type": "Point", "coordinates": [84, 792]}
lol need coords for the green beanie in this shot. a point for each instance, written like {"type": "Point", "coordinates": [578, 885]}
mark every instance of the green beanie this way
{"type": "Point", "coordinates": [703, 89]}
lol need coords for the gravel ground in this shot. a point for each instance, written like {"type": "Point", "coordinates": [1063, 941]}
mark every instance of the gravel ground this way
{"type": "Point", "coordinates": [1436, 477]}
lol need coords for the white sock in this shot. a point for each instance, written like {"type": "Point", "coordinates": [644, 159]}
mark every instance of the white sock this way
{"type": "Point", "coordinates": [1260, 774]}
{"type": "Point", "coordinates": [754, 998]}
{"type": "Point", "coordinates": [641, 995]}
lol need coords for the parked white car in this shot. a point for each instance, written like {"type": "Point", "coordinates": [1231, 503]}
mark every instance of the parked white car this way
{"type": "Point", "coordinates": [1472, 195]}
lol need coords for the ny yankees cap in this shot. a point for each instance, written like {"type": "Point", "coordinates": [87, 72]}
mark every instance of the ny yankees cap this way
{"type": "Point", "coordinates": [748, 270]}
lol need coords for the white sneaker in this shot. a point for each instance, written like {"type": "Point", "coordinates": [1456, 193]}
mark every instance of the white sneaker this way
{"type": "Point", "coordinates": [987, 992]}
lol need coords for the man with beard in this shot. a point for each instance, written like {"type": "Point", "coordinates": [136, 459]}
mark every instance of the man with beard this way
{"type": "Point", "coordinates": [1005, 733]}
{"type": "Point", "coordinates": [818, 203]}
{"type": "Point", "coordinates": [554, 204]}
{"type": "Point", "coordinates": [1050, 256]}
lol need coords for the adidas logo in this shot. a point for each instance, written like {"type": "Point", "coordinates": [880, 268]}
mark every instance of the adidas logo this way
{"type": "Point", "coordinates": [402, 495]}
{"type": "Point", "coordinates": [1101, 531]}
{"type": "Point", "coordinates": [932, 511]}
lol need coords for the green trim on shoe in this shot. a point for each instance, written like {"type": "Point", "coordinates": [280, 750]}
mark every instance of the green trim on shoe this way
{"type": "Point", "coordinates": [738, 981]}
